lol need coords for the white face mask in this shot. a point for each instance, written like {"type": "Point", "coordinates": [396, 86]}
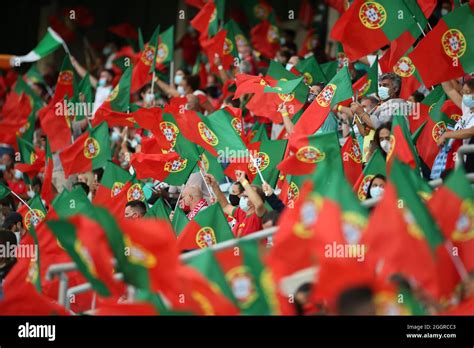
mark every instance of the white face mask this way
{"type": "Point", "coordinates": [383, 93]}
{"type": "Point", "coordinates": [149, 98]}
{"type": "Point", "coordinates": [181, 90]}
{"type": "Point", "coordinates": [244, 203]}
{"type": "Point", "coordinates": [102, 82]}
{"type": "Point", "coordinates": [385, 145]}
{"type": "Point", "coordinates": [444, 12]}
{"type": "Point", "coordinates": [289, 66]}
{"type": "Point", "coordinates": [376, 191]}
{"type": "Point", "coordinates": [115, 136]}
{"type": "Point", "coordinates": [178, 79]}
{"type": "Point", "coordinates": [18, 174]}
{"type": "Point", "coordinates": [30, 193]}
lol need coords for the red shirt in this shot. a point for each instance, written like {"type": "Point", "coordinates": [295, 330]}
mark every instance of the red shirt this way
{"type": "Point", "coordinates": [246, 224]}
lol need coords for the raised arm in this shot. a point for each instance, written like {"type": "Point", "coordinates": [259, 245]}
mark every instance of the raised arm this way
{"type": "Point", "coordinates": [225, 205]}
{"type": "Point", "coordinates": [451, 88]}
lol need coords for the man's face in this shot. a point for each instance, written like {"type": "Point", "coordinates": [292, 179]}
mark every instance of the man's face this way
{"type": "Point", "coordinates": [367, 105]}
{"type": "Point", "coordinates": [389, 84]}
{"type": "Point", "coordinates": [6, 160]}
{"type": "Point", "coordinates": [130, 213]}
{"type": "Point", "coordinates": [107, 77]}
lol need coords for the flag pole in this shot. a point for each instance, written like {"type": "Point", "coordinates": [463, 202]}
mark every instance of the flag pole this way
{"type": "Point", "coordinates": [26, 204]}
{"type": "Point", "coordinates": [458, 264]}
{"type": "Point", "coordinates": [256, 167]}
{"type": "Point", "coordinates": [201, 170]}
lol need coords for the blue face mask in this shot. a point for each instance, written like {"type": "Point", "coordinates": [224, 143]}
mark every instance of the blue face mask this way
{"type": "Point", "coordinates": [178, 79]}
{"type": "Point", "coordinates": [383, 93]}
{"type": "Point", "coordinates": [376, 191]}
{"type": "Point", "coordinates": [3, 167]}
{"type": "Point", "coordinates": [468, 100]}
{"type": "Point", "coordinates": [244, 204]}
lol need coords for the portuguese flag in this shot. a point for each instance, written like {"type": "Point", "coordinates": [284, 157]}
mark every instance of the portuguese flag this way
{"type": "Point", "coordinates": [22, 87]}
{"type": "Point", "coordinates": [402, 146]}
{"type": "Point", "coordinates": [169, 167]}
{"type": "Point", "coordinates": [32, 159]}
{"type": "Point", "coordinates": [180, 221]}
{"type": "Point", "coordinates": [283, 88]}
{"type": "Point", "coordinates": [165, 51]}
{"type": "Point", "coordinates": [117, 101]}
{"type": "Point", "coordinates": [250, 281]}
{"type": "Point", "coordinates": [33, 217]}
{"type": "Point", "coordinates": [159, 210]}
{"type": "Point", "coordinates": [447, 45]}
{"type": "Point", "coordinates": [66, 82]}
{"type": "Point", "coordinates": [148, 260]}
{"type": "Point", "coordinates": [212, 132]}
{"type": "Point", "coordinates": [435, 125]}
{"type": "Point", "coordinates": [312, 152]}
{"type": "Point", "coordinates": [90, 252]}
{"type": "Point", "coordinates": [114, 180]}
{"type": "Point", "coordinates": [207, 20]}
{"type": "Point", "coordinates": [18, 121]}
{"type": "Point", "coordinates": [206, 264]}
{"type": "Point", "coordinates": [265, 37]}
{"type": "Point", "coordinates": [207, 228]}
{"type": "Point", "coordinates": [57, 127]}
{"type": "Point", "coordinates": [351, 159]}
{"type": "Point", "coordinates": [203, 298]}
{"type": "Point", "coordinates": [405, 231]}
{"type": "Point", "coordinates": [73, 202]}
{"type": "Point", "coordinates": [210, 164]}
{"type": "Point", "coordinates": [145, 63]}
{"type": "Point", "coordinates": [266, 155]}
{"type": "Point", "coordinates": [257, 11]}
{"type": "Point", "coordinates": [90, 151]}
{"type": "Point", "coordinates": [417, 119]}
{"type": "Point", "coordinates": [223, 46]}
{"type": "Point", "coordinates": [376, 165]}
{"type": "Point", "coordinates": [309, 43]}
{"type": "Point", "coordinates": [336, 91]}
{"type": "Point", "coordinates": [4, 191]}
{"type": "Point", "coordinates": [368, 84]}
{"type": "Point", "coordinates": [84, 95]}
{"type": "Point", "coordinates": [450, 206]}
{"type": "Point", "coordinates": [311, 71]}
{"type": "Point", "coordinates": [235, 33]}
{"type": "Point", "coordinates": [368, 25]}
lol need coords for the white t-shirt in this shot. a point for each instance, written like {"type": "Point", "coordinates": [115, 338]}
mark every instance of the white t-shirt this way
{"type": "Point", "coordinates": [466, 121]}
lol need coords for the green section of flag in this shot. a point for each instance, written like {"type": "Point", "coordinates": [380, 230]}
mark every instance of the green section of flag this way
{"type": "Point", "coordinates": [73, 202]}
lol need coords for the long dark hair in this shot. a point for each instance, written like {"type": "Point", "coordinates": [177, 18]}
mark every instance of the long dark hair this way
{"type": "Point", "coordinates": [386, 125]}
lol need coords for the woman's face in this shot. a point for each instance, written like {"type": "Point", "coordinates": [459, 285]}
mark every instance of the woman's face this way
{"type": "Point", "coordinates": [466, 90]}
{"type": "Point", "coordinates": [384, 134]}
{"type": "Point", "coordinates": [378, 182]}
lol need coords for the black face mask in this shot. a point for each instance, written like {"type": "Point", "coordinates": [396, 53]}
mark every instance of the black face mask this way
{"type": "Point", "coordinates": [234, 200]}
{"type": "Point", "coordinates": [311, 97]}
{"type": "Point", "coordinates": [213, 92]}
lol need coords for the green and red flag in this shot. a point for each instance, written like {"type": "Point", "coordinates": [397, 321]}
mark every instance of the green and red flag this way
{"type": "Point", "coordinates": [203, 297]}
{"type": "Point", "coordinates": [117, 101]}
{"type": "Point", "coordinates": [418, 117]}
{"type": "Point", "coordinates": [84, 97]}
{"type": "Point", "coordinates": [22, 87]}
{"type": "Point", "coordinates": [250, 281]}
{"type": "Point", "coordinates": [179, 221]}
{"type": "Point", "coordinates": [86, 242]}
{"type": "Point", "coordinates": [376, 165]}
{"type": "Point", "coordinates": [265, 37]}
{"type": "Point", "coordinates": [447, 44]}
{"type": "Point", "coordinates": [148, 260]}
{"type": "Point", "coordinates": [436, 124]}
{"type": "Point", "coordinates": [257, 11]}
{"type": "Point", "coordinates": [451, 207]}
{"type": "Point", "coordinates": [145, 63]}
{"type": "Point", "coordinates": [235, 33]}
{"type": "Point", "coordinates": [66, 82]}
{"type": "Point", "coordinates": [311, 71]}
{"type": "Point", "coordinates": [68, 203]}
{"type": "Point", "coordinates": [32, 216]}
{"type": "Point", "coordinates": [17, 122]}
{"type": "Point", "coordinates": [222, 46]}
{"type": "Point", "coordinates": [351, 159]}
{"type": "Point", "coordinates": [313, 153]}
{"type": "Point", "coordinates": [34, 75]}
{"type": "Point", "coordinates": [266, 155]}
{"type": "Point", "coordinates": [33, 159]}
{"type": "Point", "coordinates": [367, 84]}
{"type": "Point", "coordinates": [168, 167]}
{"type": "Point", "coordinates": [401, 144]}
{"type": "Point", "coordinates": [4, 191]}
{"type": "Point", "coordinates": [114, 180]}
{"type": "Point", "coordinates": [206, 21]}
{"type": "Point", "coordinates": [159, 210]}
{"type": "Point", "coordinates": [309, 43]}
{"type": "Point", "coordinates": [368, 25]}
{"type": "Point", "coordinates": [207, 228]}
{"type": "Point", "coordinates": [216, 133]}
{"type": "Point", "coordinates": [336, 91]}
{"type": "Point", "coordinates": [258, 132]}
{"type": "Point", "coordinates": [212, 165]}
{"type": "Point", "coordinates": [56, 123]}
{"type": "Point", "coordinates": [90, 151]}
{"type": "Point", "coordinates": [400, 227]}
{"type": "Point", "coordinates": [206, 264]}
{"type": "Point", "coordinates": [165, 52]}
